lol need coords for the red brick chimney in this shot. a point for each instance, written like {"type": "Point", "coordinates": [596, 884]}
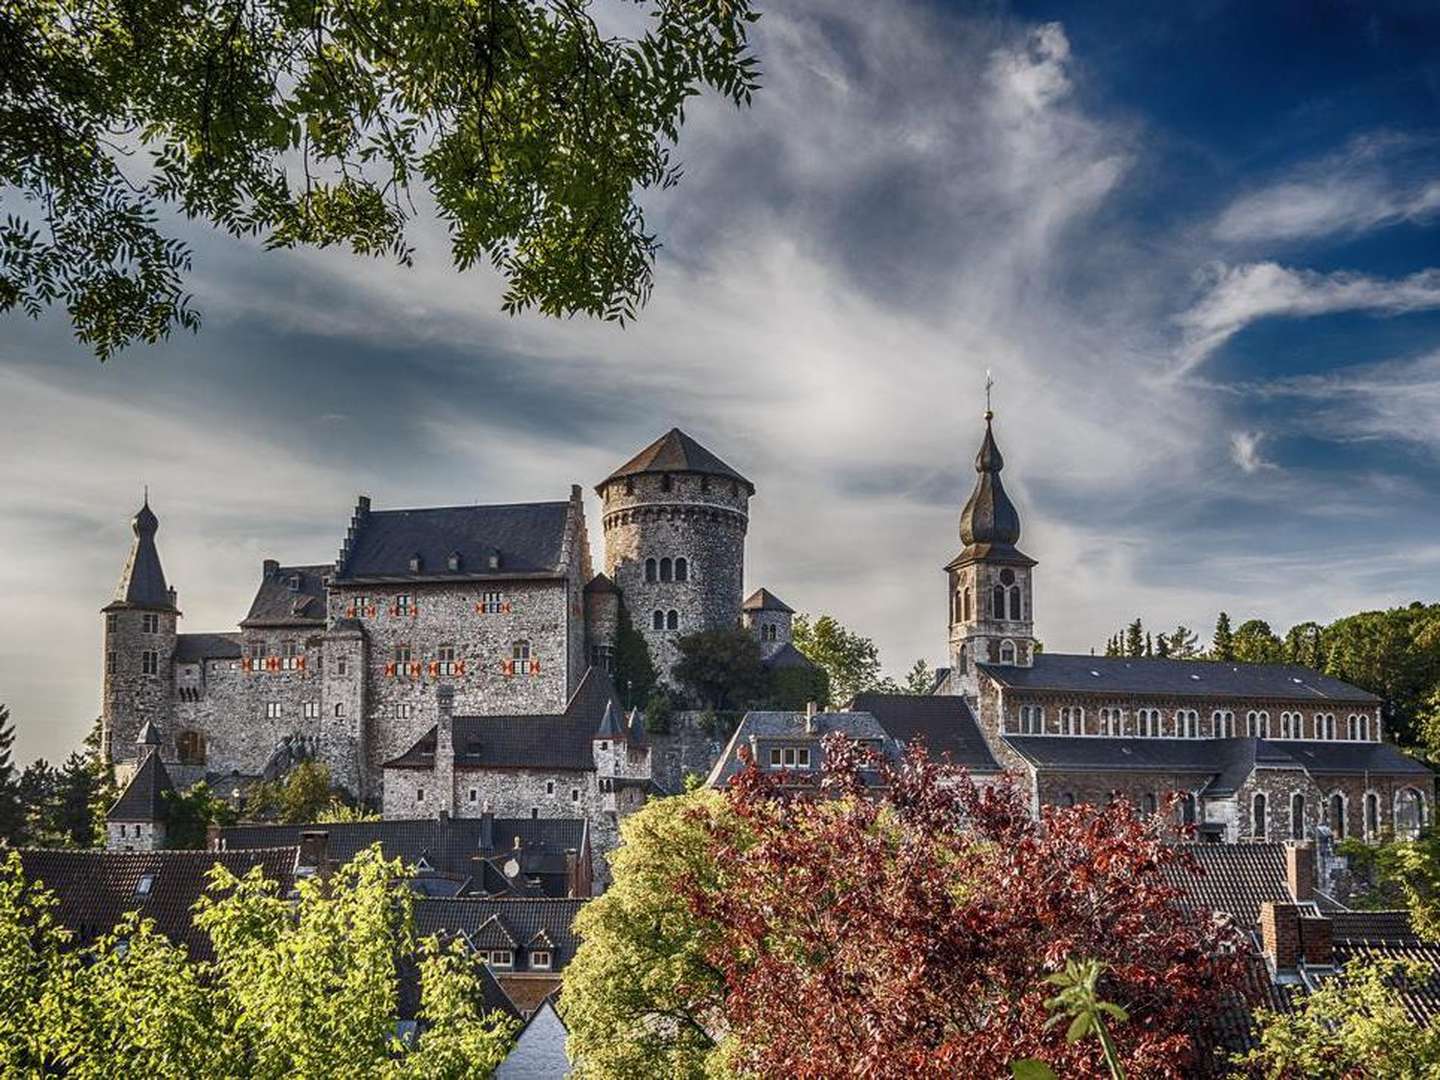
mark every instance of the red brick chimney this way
{"type": "Point", "coordinates": [1317, 941]}
{"type": "Point", "coordinates": [1280, 934]}
{"type": "Point", "coordinates": [1300, 869]}
{"type": "Point", "coordinates": [315, 852]}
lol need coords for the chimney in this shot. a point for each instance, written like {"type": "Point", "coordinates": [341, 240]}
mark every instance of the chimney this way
{"type": "Point", "coordinates": [212, 838]}
{"type": "Point", "coordinates": [173, 597]}
{"type": "Point", "coordinates": [315, 852]}
{"type": "Point", "coordinates": [810, 711]}
{"type": "Point", "coordinates": [572, 872]}
{"type": "Point", "coordinates": [445, 699]}
{"type": "Point", "coordinates": [270, 567]}
{"type": "Point", "coordinates": [1300, 870]}
{"type": "Point", "coordinates": [487, 828]}
{"type": "Point", "coordinates": [442, 815]}
{"type": "Point", "coordinates": [1317, 940]}
{"type": "Point", "coordinates": [1280, 934]}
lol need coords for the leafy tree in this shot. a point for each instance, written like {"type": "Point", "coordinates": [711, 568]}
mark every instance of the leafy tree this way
{"type": "Point", "coordinates": [1354, 1025]}
{"type": "Point", "coordinates": [721, 669]}
{"type": "Point", "coordinates": [635, 674]}
{"type": "Point", "coordinates": [1222, 645]}
{"type": "Point", "coordinates": [307, 987]}
{"type": "Point", "coordinates": [1256, 643]}
{"type": "Point", "coordinates": [1078, 1000]}
{"type": "Point", "coordinates": [12, 814]}
{"type": "Point", "coordinates": [641, 998]}
{"type": "Point", "coordinates": [190, 814]}
{"type": "Point", "coordinates": [339, 811]}
{"type": "Point", "coordinates": [919, 678]}
{"type": "Point", "coordinates": [795, 687]}
{"type": "Point", "coordinates": [1395, 654]}
{"type": "Point", "coordinates": [659, 707]}
{"type": "Point", "coordinates": [304, 794]}
{"type": "Point", "coordinates": [530, 129]}
{"type": "Point", "coordinates": [1304, 644]}
{"type": "Point", "coordinates": [1135, 639]}
{"type": "Point", "coordinates": [851, 662]}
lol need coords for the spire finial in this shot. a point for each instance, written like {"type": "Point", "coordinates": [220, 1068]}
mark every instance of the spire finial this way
{"type": "Point", "coordinates": [989, 382]}
{"type": "Point", "coordinates": [146, 500]}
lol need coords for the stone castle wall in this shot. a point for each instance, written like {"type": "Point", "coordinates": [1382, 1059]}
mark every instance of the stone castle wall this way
{"type": "Point", "coordinates": [129, 695]}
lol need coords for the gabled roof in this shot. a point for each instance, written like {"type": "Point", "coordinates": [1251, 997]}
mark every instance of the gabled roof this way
{"type": "Point", "coordinates": [493, 934]}
{"type": "Point", "coordinates": [765, 600]}
{"type": "Point", "coordinates": [537, 742]}
{"type": "Point", "coordinates": [289, 596]}
{"type": "Point", "coordinates": [95, 889]}
{"type": "Point", "coordinates": [195, 648]}
{"type": "Point", "coordinates": [142, 581]}
{"type": "Point", "coordinates": [523, 920]}
{"type": "Point", "coordinates": [601, 583]}
{"type": "Point", "coordinates": [527, 538]}
{"type": "Point", "coordinates": [1234, 879]}
{"type": "Point", "coordinates": [943, 722]}
{"type": "Point", "coordinates": [144, 797]}
{"type": "Point", "coordinates": [758, 730]}
{"type": "Point", "coordinates": [1077, 673]}
{"type": "Point", "coordinates": [676, 452]}
{"type": "Point", "coordinates": [787, 656]}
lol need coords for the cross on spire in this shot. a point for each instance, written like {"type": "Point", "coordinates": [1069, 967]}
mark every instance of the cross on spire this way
{"type": "Point", "coordinates": [989, 382]}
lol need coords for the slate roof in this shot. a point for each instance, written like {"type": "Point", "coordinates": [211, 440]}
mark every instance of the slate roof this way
{"type": "Point", "coordinates": [520, 919]}
{"type": "Point", "coordinates": [195, 648]}
{"type": "Point", "coordinates": [1234, 879]}
{"type": "Point", "coordinates": [787, 656]}
{"type": "Point", "coordinates": [492, 993]}
{"type": "Point", "coordinates": [761, 729]}
{"type": "Point", "coordinates": [765, 600]}
{"type": "Point", "coordinates": [95, 889]}
{"type": "Point", "coordinates": [142, 581]}
{"type": "Point", "coordinates": [289, 596]}
{"type": "Point", "coordinates": [530, 539]}
{"type": "Point", "coordinates": [675, 452]}
{"type": "Point", "coordinates": [989, 522]}
{"type": "Point", "coordinates": [144, 797]}
{"type": "Point", "coordinates": [456, 849]}
{"type": "Point", "coordinates": [1388, 935]}
{"type": "Point", "coordinates": [1230, 761]}
{"type": "Point", "coordinates": [943, 721]}
{"type": "Point", "coordinates": [538, 742]}
{"type": "Point", "coordinates": [601, 583]}
{"type": "Point", "coordinates": [1113, 675]}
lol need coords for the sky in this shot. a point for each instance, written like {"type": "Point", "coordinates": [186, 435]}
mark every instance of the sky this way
{"type": "Point", "coordinates": [1198, 245]}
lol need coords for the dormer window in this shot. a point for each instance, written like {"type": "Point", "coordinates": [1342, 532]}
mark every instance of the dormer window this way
{"type": "Point", "coordinates": [502, 958]}
{"type": "Point", "coordinates": [540, 959]}
{"type": "Point", "coordinates": [494, 559]}
{"type": "Point", "coordinates": [415, 563]}
{"type": "Point", "coordinates": [293, 583]}
{"type": "Point", "coordinates": [452, 561]}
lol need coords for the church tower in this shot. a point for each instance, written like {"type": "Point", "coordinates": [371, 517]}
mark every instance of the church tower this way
{"type": "Point", "coordinates": [139, 651]}
{"type": "Point", "coordinates": [991, 612]}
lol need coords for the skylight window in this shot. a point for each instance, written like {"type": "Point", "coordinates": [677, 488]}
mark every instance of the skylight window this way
{"type": "Point", "coordinates": [1195, 677]}
{"type": "Point", "coordinates": [145, 884]}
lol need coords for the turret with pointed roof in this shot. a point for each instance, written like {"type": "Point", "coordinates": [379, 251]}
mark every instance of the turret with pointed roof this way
{"type": "Point", "coordinates": [990, 581]}
{"type": "Point", "coordinates": [142, 581]}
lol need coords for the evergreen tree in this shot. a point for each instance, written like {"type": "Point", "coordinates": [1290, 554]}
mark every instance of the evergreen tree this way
{"type": "Point", "coordinates": [1222, 647]}
{"type": "Point", "coordinates": [1134, 639]}
{"type": "Point", "coordinates": [12, 815]}
{"type": "Point", "coordinates": [919, 678]}
{"type": "Point", "coordinates": [37, 793]}
{"type": "Point", "coordinates": [1183, 643]}
{"type": "Point", "coordinates": [1111, 649]}
{"type": "Point", "coordinates": [1162, 645]}
{"type": "Point", "coordinates": [1149, 645]}
{"type": "Point", "coordinates": [635, 675]}
{"type": "Point", "coordinates": [76, 784]}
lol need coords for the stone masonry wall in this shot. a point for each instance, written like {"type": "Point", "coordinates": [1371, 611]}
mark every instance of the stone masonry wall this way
{"type": "Point", "coordinates": [129, 696]}
{"type": "Point", "coordinates": [686, 749]}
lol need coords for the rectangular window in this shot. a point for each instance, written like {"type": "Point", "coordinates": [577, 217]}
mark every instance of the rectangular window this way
{"type": "Point", "coordinates": [789, 755]}
{"type": "Point", "coordinates": [110, 663]}
{"type": "Point", "coordinates": [775, 758]}
{"type": "Point", "coordinates": [403, 710]}
{"type": "Point", "coordinates": [342, 666]}
{"type": "Point", "coordinates": [359, 607]}
{"type": "Point", "coordinates": [549, 787]}
{"type": "Point", "coordinates": [402, 655]}
{"type": "Point", "coordinates": [272, 710]}
{"type": "Point", "coordinates": [492, 603]}
{"type": "Point", "coordinates": [312, 710]}
{"type": "Point", "coordinates": [289, 655]}
{"type": "Point", "coordinates": [474, 795]}
{"type": "Point", "coordinates": [150, 623]}
{"type": "Point", "coordinates": [111, 622]}
{"type": "Point", "coordinates": [150, 662]}
{"type": "Point", "coordinates": [339, 708]}
{"type": "Point", "coordinates": [502, 958]}
{"type": "Point", "coordinates": [402, 604]}
{"type": "Point", "coordinates": [802, 757]}
{"type": "Point", "coordinates": [445, 656]}
{"type": "Point", "coordinates": [540, 960]}
{"type": "Point", "coordinates": [419, 794]}
{"type": "Point", "coordinates": [574, 794]}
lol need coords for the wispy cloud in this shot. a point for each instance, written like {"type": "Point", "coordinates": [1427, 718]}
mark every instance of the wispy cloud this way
{"type": "Point", "coordinates": [1245, 451]}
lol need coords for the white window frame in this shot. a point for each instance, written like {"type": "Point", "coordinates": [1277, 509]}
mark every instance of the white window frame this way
{"type": "Point", "coordinates": [273, 710]}
{"type": "Point", "coordinates": [537, 963]}
{"type": "Point", "coordinates": [502, 958]}
{"type": "Point", "coordinates": [312, 710]}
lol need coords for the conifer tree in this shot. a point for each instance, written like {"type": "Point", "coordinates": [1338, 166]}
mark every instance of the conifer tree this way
{"type": "Point", "coordinates": [635, 675]}
{"type": "Point", "coordinates": [1222, 647]}
{"type": "Point", "coordinates": [1149, 645]}
{"type": "Point", "coordinates": [1134, 639]}
{"type": "Point", "coordinates": [12, 816]}
{"type": "Point", "coordinates": [1183, 643]}
{"type": "Point", "coordinates": [1162, 645]}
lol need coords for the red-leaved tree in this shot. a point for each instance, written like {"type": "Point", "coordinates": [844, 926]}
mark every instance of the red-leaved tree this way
{"type": "Point", "coordinates": [906, 930]}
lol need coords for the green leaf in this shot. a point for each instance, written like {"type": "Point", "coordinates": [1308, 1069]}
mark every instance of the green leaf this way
{"type": "Point", "coordinates": [1031, 1069]}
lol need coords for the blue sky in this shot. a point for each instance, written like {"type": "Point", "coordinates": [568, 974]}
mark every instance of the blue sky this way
{"type": "Point", "coordinates": [1197, 245]}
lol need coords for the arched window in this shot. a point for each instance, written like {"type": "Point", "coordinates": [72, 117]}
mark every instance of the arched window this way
{"type": "Point", "coordinates": [1148, 805]}
{"type": "Point", "coordinates": [672, 620]}
{"type": "Point", "coordinates": [1337, 815]}
{"type": "Point", "coordinates": [1222, 722]}
{"type": "Point", "coordinates": [1015, 603]}
{"type": "Point", "coordinates": [1149, 722]}
{"type": "Point", "coordinates": [1187, 809]}
{"type": "Point", "coordinates": [967, 603]}
{"type": "Point", "coordinates": [1409, 813]}
{"type": "Point", "coordinates": [1257, 816]}
{"type": "Point", "coordinates": [1325, 723]}
{"type": "Point", "coordinates": [769, 632]}
{"type": "Point", "coordinates": [1372, 815]}
{"type": "Point", "coordinates": [1007, 652]}
{"type": "Point", "coordinates": [650, 574]}
{"type": "Point", "coordinates": [1352, 726]}
{"type": "Point", "coordinates": [1262, 725]}
{"type": "Point", "coordinates": [997, 605]}
{"type": "Point", "coordinates": [1187, 724]}
{"type": "Point", "coordinates": [1297, 816]}
{"type": "Point", "coordinates": [190, 747]}
{"type": "Point", "coordinates": [1072, 720]}
{"type": "Point", "coordinates": [657, 620]}
{"type": "Point", "coordinates": [964, 660]}
{"type": "Point", "coordinates": [665, 569]}
{"type": "Point", "coordinates": [1365, 728]}
{"type": "Point", "coordinates": [682, 569]}
{"type": "Point", "coordinates": [1251, 724]}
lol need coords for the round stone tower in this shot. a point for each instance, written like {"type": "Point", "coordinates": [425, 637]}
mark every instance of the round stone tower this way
{"type": "Point", "coordinates": [139, 652]}
{"type": "Point", "coordinates": [675, 517]}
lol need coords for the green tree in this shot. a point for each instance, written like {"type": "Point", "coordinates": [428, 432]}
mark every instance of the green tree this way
{"type": "Point", "coordinates": [302, 796]}
{"type": "Point", "coordinates": [1183, 643]}
{"type": "Point", "coordinates": [1162, 646]}
{"type": "Point", "coordinates": [12, 813]}
{"type": "Point", "coordinates": [1222, 645]}
{"type": "Point", "coordinates": [1256, 643]}
{"type": "Point", "coordinates": [1135, 639]}
{"type": "Point", "coordinates": [78, 783]}
{"type": "Point", "coordinates": [530, 129]}
{"type": "Point", "coordinates": [1394, 654]}
{"type": "Point", "coordinates": [1352, 1026]}
{"type": "Point", "coordinates": [721, 669]}
{"type": "Point", "coordinates": [640, 998]}
{"type": "Point", "coordinates": [38, 789]}
{"type": "Point", "coordinates": [1149, 645]}
{"type": "Point", "coordinates": [190, 814]}
{"type": "Point", "coordinates": [1304, 644]}
{"type": "Point", "coordinates": [851, 662]}
{"type": "Point", "coordinates": [919, 678]}
{"type": "Point", "coordinates": [794, 687]}
{"type": "Point", "coordinates": [635, 675]}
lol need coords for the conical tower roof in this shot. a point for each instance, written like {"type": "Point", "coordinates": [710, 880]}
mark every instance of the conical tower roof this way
{"type": "Point", "coordinates": [676, 452]}
{"type": "Point", "coordinates": [610, 726]}
{"type": "Point", "coordinates": [989, 523]}
{"type": "Point", "coordinates": [142, 582]}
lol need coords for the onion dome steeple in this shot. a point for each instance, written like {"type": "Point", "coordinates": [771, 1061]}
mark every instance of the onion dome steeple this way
{"type": "Point", "coordinates": [989, 523]}
{"type": "Point", "coordinates": [142, 582]}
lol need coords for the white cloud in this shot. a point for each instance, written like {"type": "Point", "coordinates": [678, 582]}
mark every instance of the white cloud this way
{"type": "Point", "coordinates": [1245, 451]}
